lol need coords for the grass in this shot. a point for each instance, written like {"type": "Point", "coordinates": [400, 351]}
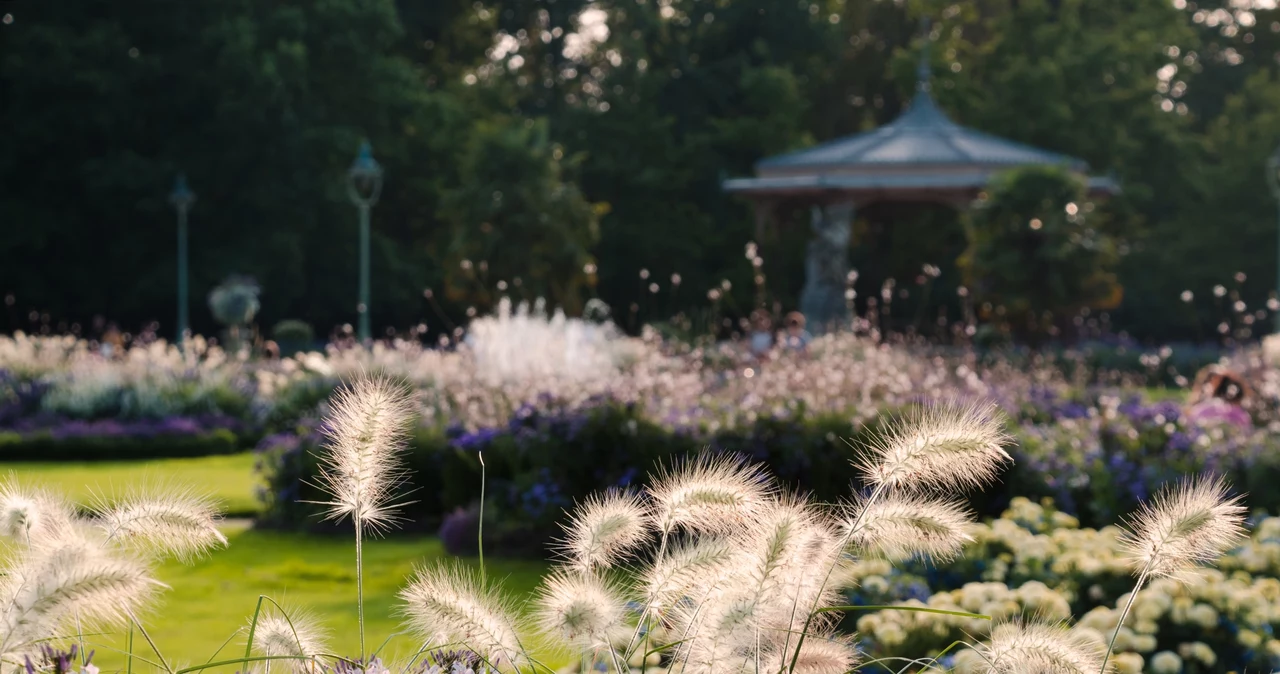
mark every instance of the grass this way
{"type": "Point", "coordinates": [228, 478]}
{"type": "Point", "coordinates": [212, 598]}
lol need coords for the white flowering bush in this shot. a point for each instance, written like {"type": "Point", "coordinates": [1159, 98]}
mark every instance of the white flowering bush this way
{"type": "Point", "coordinates": [148, 381]}
{"type": "Point", "coordinates": [1036, 562]}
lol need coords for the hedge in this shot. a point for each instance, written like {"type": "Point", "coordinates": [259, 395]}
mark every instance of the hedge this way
{"type": "Point", "coordinates": [1098, 460]}
{"type": "Point", "coordinates": [543, 462]}
{"type": "Point", "coordinates": [46, 446]}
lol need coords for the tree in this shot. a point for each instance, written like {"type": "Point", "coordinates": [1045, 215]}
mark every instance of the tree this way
{"type": "Point", "coordinates": [520, 227]}
{"type": "Point", "coordinates": [262, 105]}
{"type": "Point", "coordinates": [1039, 252]}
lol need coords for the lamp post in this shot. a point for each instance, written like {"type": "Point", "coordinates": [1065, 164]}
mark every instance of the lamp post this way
{"type": "Point", "coordinates": [182, 197]}
{"type": "Point", "coordinates": [1273, 180]}
{"type": "Point", "coordinates": [364, 184]}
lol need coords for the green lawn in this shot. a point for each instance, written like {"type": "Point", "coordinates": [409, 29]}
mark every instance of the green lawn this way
{"type": "Point", "coordinates": [212, 598]}
{"type": "Point", "coordinates": [229, 478]}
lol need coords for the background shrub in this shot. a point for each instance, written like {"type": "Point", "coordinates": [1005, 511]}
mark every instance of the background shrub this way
{"type": "Point", "coordinates": [1096, 454]}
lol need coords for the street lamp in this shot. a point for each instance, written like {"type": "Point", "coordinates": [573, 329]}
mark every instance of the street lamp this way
{"type": "Point", "coordinates": [182, 197]}
{"type": "Point", "coordinates": [1273, 180]}
{"type": "Point", "coordinates": [364, 184]}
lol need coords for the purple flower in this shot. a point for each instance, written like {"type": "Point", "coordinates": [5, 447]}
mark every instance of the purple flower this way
{"type": "Point", "coordinates": [1214, 411]}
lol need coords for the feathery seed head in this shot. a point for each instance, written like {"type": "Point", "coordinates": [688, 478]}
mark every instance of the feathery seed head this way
{"type": "Point", "coordinates": [780, 537]}
{"type": "Point", "coordinates": [605, 528]}
{"type": "Point", "coordinates": [686, 568]}
{"type": "Point", "coordinates": [899, 525]}
{"type": "Point", "coordinates": [1039, 648]}
{"type": "Point", "coordinates": [450, 608]}
{"type": "Point", "coordinates": [789, 556]}
{"type": "Point", "coordinates": [27, 515]}
{"type": "Point", "coordinates": [580, 610]}
{"type": "Point", "coordinates": [67, 582]}
{"type": "Point", "coordinates": [297, 635]}
{"type": "Point", "coordinates": [944, 446]}
{"type": "Point", "coordinates": [165, 521]}
{"type": "Point", "coordinates": [366, 429]}
{"type": "Point", "coordinates": [709, 494]}
{"type": "Point", "coordinates": [762, 597]}
{"type": "Point", "coordinates": [1186, 526]}
{"type": "Point", "coordinates": [819, 654]}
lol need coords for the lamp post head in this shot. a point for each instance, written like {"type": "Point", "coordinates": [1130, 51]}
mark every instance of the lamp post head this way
{"type": "Point", "coordinates": [364, 178]}
{"type": "Point", "coordinates": [181, 197]}
{"type": "Point", "coordinates": [1273, 172]}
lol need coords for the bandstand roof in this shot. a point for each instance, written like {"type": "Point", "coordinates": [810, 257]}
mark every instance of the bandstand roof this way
{"type": "Point", "coordinates": [921, 154]}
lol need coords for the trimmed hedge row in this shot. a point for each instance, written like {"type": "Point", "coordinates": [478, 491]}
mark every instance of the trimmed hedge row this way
{"type": "Point", "coordinates": [1097, 461]}
{"type": "Point", "coordinates": [46, 446]}
{"type": "Point", "coordinates": [545, 461]}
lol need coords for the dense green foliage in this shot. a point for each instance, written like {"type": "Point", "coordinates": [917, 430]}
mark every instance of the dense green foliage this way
{"type": "Point", "coordinates": [514, 143]}
{"type": "Point", "coordinates": [546, 461]}
{"type": "Point", "coordinates": [48, 446]}
{"type": "Point", "coordinates": [1037, 254]}
{"type": "Point", "coordinates": [1097, 463]}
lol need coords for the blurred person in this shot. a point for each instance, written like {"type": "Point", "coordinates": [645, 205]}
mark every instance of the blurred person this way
{"type": "Point", "coordinates": [1220, 396]}
{"type": "Point", "coordinates": [112, 342]}
{"type": "Point", "coordinates": [761, 339]}
{"type": "Point", "coordinates": [796, 338]}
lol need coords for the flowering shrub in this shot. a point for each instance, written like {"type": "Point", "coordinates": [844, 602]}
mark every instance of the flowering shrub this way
{"type": "Point", "coordinates": [1035, 561]}
{"type": "Point", "coordinates": [548, 457]}
{"type": "Point", "coordinates": [1097, 456]}
{"type": "Point", "coordinates": [714, 566]}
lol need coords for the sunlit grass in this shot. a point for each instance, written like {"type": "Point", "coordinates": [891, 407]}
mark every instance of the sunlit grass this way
{"type": "Point", "coordinates": [210, 599]}
{"type": "Point", "coordinates": [229, 478]}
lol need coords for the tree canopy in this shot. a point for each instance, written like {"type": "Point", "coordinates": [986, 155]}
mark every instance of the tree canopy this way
{"type": "Point", "coordinates": [559, 148]}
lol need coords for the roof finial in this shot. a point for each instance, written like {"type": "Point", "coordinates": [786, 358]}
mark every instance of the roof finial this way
{"type": "Point", "coordinates": [923, 71]}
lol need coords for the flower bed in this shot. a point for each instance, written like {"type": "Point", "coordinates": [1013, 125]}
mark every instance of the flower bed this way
{"type": "Point", "coordinates": [1036, 561]}
{"type": "Point", "coordinates": [547, 458]}
{"type": "Point", "coordinates": [80, 440]}
{"type": "Point", "coordinates": [1098, 455]}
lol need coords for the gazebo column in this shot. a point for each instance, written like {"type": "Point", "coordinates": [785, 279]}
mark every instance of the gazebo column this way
{"type": "Point", "coordinates": [763, 210]}
{"type": "Point", "coordinates": [827, 266]}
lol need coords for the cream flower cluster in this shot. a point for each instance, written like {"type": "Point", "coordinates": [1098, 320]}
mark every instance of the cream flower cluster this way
{"type": "Point", "coordinates": [1039, 563]}
{"type": "Point", "coordinates": [893, 630]}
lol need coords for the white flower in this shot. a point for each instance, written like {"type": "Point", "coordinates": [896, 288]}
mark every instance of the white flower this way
{"type": "Point", "coordinates": [1166, 662]}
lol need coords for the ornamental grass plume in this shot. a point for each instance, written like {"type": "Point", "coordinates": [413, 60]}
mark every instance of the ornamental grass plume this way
{"type": "Point", "coordinates": [28, 515]}
{"type": "Point", "coordinates": [1041, 648]}
{"type": "Point", "coordinates": [824, 653]}
{"type": "Point", "coordinates": [361, 468]}
{"type": "Point", "coordinates": [366, 430]}
{"type": "Point", "coordinates": [450, 608]}
{"type": "Point", "coordinates": [761, 601]}
{"type": "Point", "coordinates": [65, 583]}
{"type": "Point", "coordinates": [166, 521]}
{"type": "Point", "coordinates": [709, 493]}
{"type": "Point", "coordinates": [604, 529]}
{"type": "Point", "coordinates": [900, 525]}
{"type": "Point", "coordinates": [296, 635]}
{"type": "Point", "coordinates": [947, 447]}
{"type": "Point", "coordinates": [580, 610]}
{"type": "Point", "coordinates": [1187, 526]}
